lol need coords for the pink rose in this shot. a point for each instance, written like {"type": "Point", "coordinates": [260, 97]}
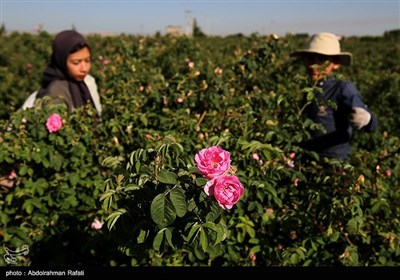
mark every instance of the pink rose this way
{"type": "Point", "coordinates": [255, 156]}
{"type": "Point", "coordinates": [213, 161]}
{"type": "Point", "coordinates": [97, 225]}
{"type": "Point", "coordinates": [12, 175]}
{"type": "Point", "coordinates": [226, 189]}
{"type": "Point", "coordinates": [54, 123]}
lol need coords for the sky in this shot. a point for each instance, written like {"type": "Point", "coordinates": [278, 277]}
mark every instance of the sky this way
{"type": "Point", "coordinates": [213, 17]}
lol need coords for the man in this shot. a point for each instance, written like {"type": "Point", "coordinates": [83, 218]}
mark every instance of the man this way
{"type": "Point", "coordinates": [340, 108]}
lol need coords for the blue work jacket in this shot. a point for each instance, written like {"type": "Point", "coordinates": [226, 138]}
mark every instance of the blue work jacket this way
{"type": "Point", "coordinates": [335, 142]}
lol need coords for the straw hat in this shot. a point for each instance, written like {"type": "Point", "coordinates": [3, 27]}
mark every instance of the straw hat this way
{"type": "Point", "coordinates": [326, 44]}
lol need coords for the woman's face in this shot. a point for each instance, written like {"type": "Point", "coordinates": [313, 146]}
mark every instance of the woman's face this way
{"type": "Point", "coordinates": [78, 64]}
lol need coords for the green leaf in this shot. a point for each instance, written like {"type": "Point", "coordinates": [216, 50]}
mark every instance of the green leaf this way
{"type": "Point", "coordinates": [201, 181]}
{"type": "Point", "coordinates": [215, 212]}
{"type": "Point", "coordinates": [28, 207]}
{"type": "Point", "coordinates": [310, 96]}
{"type": "Point", "coordinates": [9, 198]}
{"type": "Point", "coordinates": [203, 240]}
{"type": "Point", "coordinates": [178, 148]}
{"type": "Point", "coordinates": [199, 253]}
{"type": "Point", "coordinates": [255, 249]}
{"type": "Point", "coordinates": [158, 240]}
{"type": "Point", "coordinates": [335, 236]}
{"type": "Point", "coordinates": [168, 177]}
{"type": "Point", "coordinates": [280, 99]}
{"type": "Point", "coordinates": [168, 236]}
{"type": "Point", "coordinates": [107, 194]}
{"type": "Point", "coordinates": [22, 170]}
{"type": "Point", "coordinates": [193, 232]}
{"type": "Point", "coordinates": [114, 216]}
{"type": "Point", "coordinates": [142, 236]}
{"type": "Point", "coordinates": [352, 226]}
{"type": "Point", "coordinates": [221, 235]}
{"type": "Point", "coordinates": [250, 231]}
{"type": "Point", "coordinates": [271, 190]}
{"type": "Point", "coordinates": [178, 198]}
{"type": "Point", "coordinates": [73, 179]}
{"type": "Point", "coordinates": [162, 211]}
{"type": "Point", "coordinates": [212, 226]}
{"type": "Point", "coordinates": [131, 187]}
{"type": "Point", "coordinates": [294, 258]}
{"type": "Point", "coordinates": [112, 162]}
{"type": "Point", "coordinates": [137, 166]}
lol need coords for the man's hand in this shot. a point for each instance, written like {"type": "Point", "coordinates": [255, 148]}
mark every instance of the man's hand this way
{"type": "Point", "coordinates": [360, 117]}
{"type": "Point", "coordinates": [5, 182]}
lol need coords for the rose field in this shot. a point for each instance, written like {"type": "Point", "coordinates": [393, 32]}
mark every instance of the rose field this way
{"type": "Point", "coordinates": [134, 187]}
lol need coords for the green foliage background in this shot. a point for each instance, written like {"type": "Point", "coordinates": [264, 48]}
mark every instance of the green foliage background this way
{"type": "Point", "coordinates": [133, 168]}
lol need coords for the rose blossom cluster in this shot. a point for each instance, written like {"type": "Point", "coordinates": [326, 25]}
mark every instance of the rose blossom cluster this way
{"type": "Point", "coordinates": [215, 165]}
{"type": "Point", "coordinates": [54, 123]}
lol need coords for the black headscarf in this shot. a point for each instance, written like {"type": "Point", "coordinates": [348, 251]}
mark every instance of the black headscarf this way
{"type": "Point", "coordinates": [65, 43]}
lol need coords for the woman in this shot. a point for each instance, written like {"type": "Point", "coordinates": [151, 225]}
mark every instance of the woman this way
{"type": "Point", "coordinates": [66, 79]}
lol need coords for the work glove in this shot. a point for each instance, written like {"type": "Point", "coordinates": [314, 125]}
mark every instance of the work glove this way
{"type": "Point", "coordinates": [360, 117]}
